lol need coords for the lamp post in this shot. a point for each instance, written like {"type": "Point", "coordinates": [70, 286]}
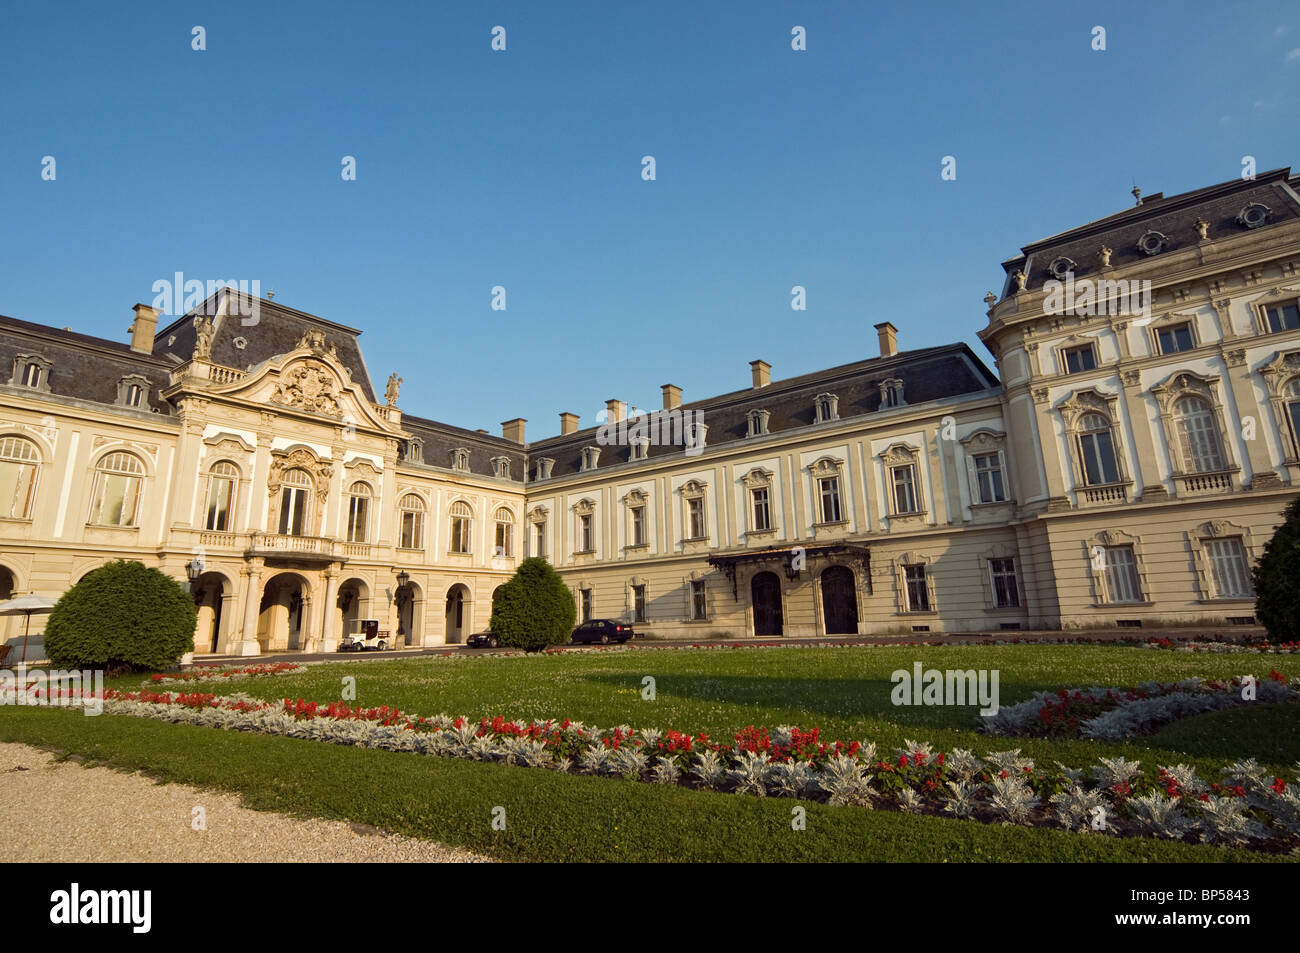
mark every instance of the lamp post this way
{"type": "Point", "coordinates": [194, 569]}
{"type": "Point", "coordinates": [400, 597]}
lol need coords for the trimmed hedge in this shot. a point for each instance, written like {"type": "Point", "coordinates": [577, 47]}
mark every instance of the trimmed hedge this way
{"type": "Point", "coordinates": [535, 609]}
{"type": "Point", "coordinates": [1277, 579]}
{"type": "Point", "coordinates": [122, 615]}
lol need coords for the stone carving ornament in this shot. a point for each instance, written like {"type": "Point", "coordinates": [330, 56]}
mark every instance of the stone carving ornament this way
{"type": "Point", "coordinates": [309, 386]}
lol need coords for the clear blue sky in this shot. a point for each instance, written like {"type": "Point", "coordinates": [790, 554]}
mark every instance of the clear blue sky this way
{"type": "Point", "coordinates": [523, 169]}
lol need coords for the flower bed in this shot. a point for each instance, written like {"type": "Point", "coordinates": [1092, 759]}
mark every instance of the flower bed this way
{"type": "Point", "coordinates": [1242, 808]}
{"type": "Point", "coordinates": [1109, 714]}
{"type": "Point", "coordinates": [209, 673]}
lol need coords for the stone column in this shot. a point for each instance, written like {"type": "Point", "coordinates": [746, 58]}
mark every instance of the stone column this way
{"type": "Point", "coordinates": [1262, 474]}
{"type": "Point", "coordinates": [1145, 467]}
{"type": "Point", "coordinates": [247, 642]}
{"type": "Point", "coordinates": [329, 640]}
{"type": "Point", "coordinates": [1054, 466]}
{"type": "Point", "coordinates": [227, 621]}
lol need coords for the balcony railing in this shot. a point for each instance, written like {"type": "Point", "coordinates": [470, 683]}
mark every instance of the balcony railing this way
{"type": "Point", "coordinates": [224, 375]}
{"type": "Point", "coordinates": [1101, 495]}
{"type": "Point", "coordinates": [1199, 484]}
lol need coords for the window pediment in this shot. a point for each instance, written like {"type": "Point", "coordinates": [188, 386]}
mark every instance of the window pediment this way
{"type": "Point", "coordinates": [584, 507]}
{"type": "Point", "coordinates": [983, 440]}
{"type": "Point", "coordinates": [1085, 402]}
{"type": "Point", "coordinates": [757, 477]}
{"type": "Point", "coordinates": [826, 467]}
{"type": "Point", "coordinates": [228, 442]}
{"type": "Point", "coordinates": [898, 454]}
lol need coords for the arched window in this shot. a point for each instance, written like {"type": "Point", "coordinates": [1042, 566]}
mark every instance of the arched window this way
{"type": "Point", "coordinates": [32, 375]}
{"type": "Point", "coordinates": [133, 395]}
{"type": "Point", "coordinates": [411, 510]}
{"type": "Point", "coordinates": [505, 540]}
{"type": "Point", "coordinates": [295, 500]}
{"type": "Point", "coordinates": [116, 497]}
{"type": "Point", "coordinates": [461, 519]}
{"type": "Point", "coordinates": [223, 479]}
{"type": "Point", "coordinates": [20, 462]}
{"type": "Point", "coordinates": [358, 512]}
{"type": "Point", "coordinates": [1198, 435]}
{"type": "Point", "coordinates": [1292, 393]}
{"type": "Point", "coordinates": [1097, 451]}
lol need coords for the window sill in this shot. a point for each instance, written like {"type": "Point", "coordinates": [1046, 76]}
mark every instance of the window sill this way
{"type": "Point", "coordinates": [695, 539]}
{"type": "Point", "coordinates": [912, 613]}
{"type": "Point", "coordinates": [452, 552]}
{"type": "Point", "coordinates": [759, 532]}
{"type": "Point", "coordinates": [991, 503]}
{"type": "Point", "coordinates": [828, 523]}
{"type": "Point", "coordinates": [584, 552]}
{"type": "Point", "coordinates": [1226, 600]}
{"type": "Point", "coordinates": [637, 546]}
{"type": "Point", "coordinates": [1122, 605]}
{"type": "Point", "coordinates": [410, 549]}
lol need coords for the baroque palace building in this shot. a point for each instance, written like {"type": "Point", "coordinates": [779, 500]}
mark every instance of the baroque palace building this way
{"type": "Point", "coordinates": [1126, 463]}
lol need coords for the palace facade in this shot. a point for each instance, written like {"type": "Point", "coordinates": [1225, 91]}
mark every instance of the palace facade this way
{"type": "Point", "coordinates": [1124, 465]}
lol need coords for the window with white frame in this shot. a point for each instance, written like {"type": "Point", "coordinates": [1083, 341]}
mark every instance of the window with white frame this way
{"type": "Point", "coordinates": [1282, 317]}
{"type": "Point", "coordinates": [586, 539]}
{"type": "Point", "coordinates": [223, 482]}
{"type": "Point", "coordinates": [585, 602]}
{"type": "Point", "coordinates": [411, 520]}
{"type": "Point", "coordinates": [903, 480]}
{"type": "Point", "coordinates": [544, 465]}
{"type": "Point", "coordinates": [1096, 447]}
{"type": "Point", "coordinates": [1175, 337]}
{"type": "Point", "coordinates": [918, 588]}
{"type": "Point", "coordinates": [699, 604]}
{"type": "Point", "coordinates": [695, 518]}
{"type": "Point", "coordinates": [461, 523]}
{"type": "Point", "coordinates": [31, 376]}
{"type": "Point", "coordinates": [590, 457]}
{"type": "Point", "coordinates": [891, 393]}
{"type": "Point", "coordinates": [989, 485]}
{"type": "Point", "coordinates": [134, 394]}
{"type": "Point", "coordinates": [1198, 435]}
{"type": "Point", "coordinates": [359, 497]}
{"type": "Point", "coordinates": [505, 535]}
{"type": "Point", "coordinates": [1292, 405]}
{"type": "Point", "coordinates": [761, 506]}
{"type": "Point", "coordinates": [1002, 576]}
{"type": "Point", "coordinates": [1229, 568]}
{"type": "Point", "coordinates": [826, 408]}
{"type": "Point", "coordinates": [501, 467]}
{"type": "Point", "coordinates": [1121, 574]}
{"type": "Point", "coordinates": [828, 494]}
{"type": "Point", "coordinates": [1080, 358]}
{"type": "Point", "coordinates": [539, 538]}
{"type": "Point", "coordinates": [119, 478]}
{"type": "Point", "coordinates": [295, 502]}
{"type": "Point", "coordinates": [20, 464]}
{"type": "Point", "coordinates": [460, 459]}
{"type": "Point", "coordinates": [756, 421]}
{"type": "Point", "coordinates": [637, 515]}
{"type": "Point", "coordinates": [638, 448]}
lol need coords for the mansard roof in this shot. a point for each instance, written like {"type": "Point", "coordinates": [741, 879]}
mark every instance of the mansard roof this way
{"type": "Point", "coordinates": [928, 374]}
{"type": "Point", "coordinates": [1174, 216]}
{"type": "Point", "coordinates": [82, 367]}
{"type": "Point", "coordinates": [441, 439]}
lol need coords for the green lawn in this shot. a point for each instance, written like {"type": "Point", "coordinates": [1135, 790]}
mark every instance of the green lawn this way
{"type": "Point", "coordinates": [844, 691]}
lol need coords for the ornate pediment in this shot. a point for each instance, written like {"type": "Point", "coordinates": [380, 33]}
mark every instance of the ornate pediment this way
{"type": "Point", "coordinates": [299, 458]}
{"type": "Point", "coordinates": [311, 386]}
{"type": "Point", "coordinates": [693, 488]}
{"type": "Point", "coordinates": [226, 442]}
{"type": "Point", "coordinates": [826, 467]}
{"type": "Point", "coordinates": [635, 497]}
{"type": "Point", "coordinates": [1283, 366]}
{"type": "Point", "coordinates": [584, 507]}
{"type": "Point", "coordinates": [363, 469]}
{"type": "Point", "coordinates": [1084, 402]}
{"type": "Point", "coordinates": [898, 454]}
{"type": "Point", "coordinates": [983, 440]}
{"type": "Point", "coordinates": [757, 477]}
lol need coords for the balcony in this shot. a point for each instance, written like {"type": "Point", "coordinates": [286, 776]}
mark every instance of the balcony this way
{"type": "Point", "coordinates": [1104, 494]}
{"type": "Point", "coordinates": [302, 549]}
{"type": "Point", "coordinates": [1205, 484]}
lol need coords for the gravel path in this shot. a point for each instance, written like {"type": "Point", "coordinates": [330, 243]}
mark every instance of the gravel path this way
{"type": "Point", "coordinates": [52, 811]}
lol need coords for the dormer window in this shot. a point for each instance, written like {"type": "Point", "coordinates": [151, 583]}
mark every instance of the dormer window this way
{"type": "Point", "coordinates": [590, 458]}
{"type": "Point", "coordinates": [501, 467]}
{"type": "Point", "coordinates": [460, 459]}
{"type": "Point", "coordinates": [544, 465]}
{"type": "Point", "coordinates": [639, 449]}
{"type": "Point", "coordinates": [133, 392]}
{"type": "Point", "coordinates": [31, 371]}
{"type": "Point", "coordinates": [891, 393]}
{"type": "Point", "coordinates": [826, 408]}
{"type": "Point", "coordinates": [757, 420]}
{"type": "Point", "coordinates": [414, 450]}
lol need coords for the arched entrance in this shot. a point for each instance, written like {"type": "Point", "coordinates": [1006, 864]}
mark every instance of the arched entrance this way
{"type": "Point", "coordinates": [765, 594]}
{"type": "Point", "coordinates": [213, 593]}
{"type": "Point", "coordinates": [284, 619]}
{"type": "Point", "coordinates": [839, 601]}
{"type": "Point", "coordinates": [7, 586]}
{"type": "Point", "coordinates": [458, 613]}
{"type": "Point", "coordinates": [351, 604]}
{"type": "Point", "coordinates": [410, 614]}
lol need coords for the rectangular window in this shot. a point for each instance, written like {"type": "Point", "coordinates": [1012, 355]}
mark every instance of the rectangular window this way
{"type": "Point", "coordinates": [698, 605]}
{"type": "Point", "coordinates": [119, 496]}
{"type": "Point", "coordinates": [584, 533]}
{"type": "Point", "coordinates": [504, 542]}
{"type": "Point", "coordinates": [1098, 452]}
{"type": "Point", "coordinates": [695, 519]}
{"type": "Point", "coordinates": [293, 510]}
{"type": "Point", "coordinates": [988, 477]}
{"type": "Point", "coordinates": [904, 480]}
{"type": "Point", "coordinates": [1082, 358]}
{"type": "Point", "coordinates": [918, 589]}
{"type": "Point", "coordinates": [220, 492]}
{"type": "Point", "coordinates": [638, 526]}
{"type": "Point", "coordinates": [586, 604]}
{"type": "Point", "coordinates": [1005, 593]}
{"type": "Point", "coordinates": [1283, 317]}
{"type": "Point", "coordinates": [829, 490]}
{"type": "Point", "coordinates": [1122, 584]}
{"type": "Point", "coordinates": [1176, 338]}
{"type": "Point", "coordinates": [412, 530]}
{"type": "Point", "coordinates": [357, 506]}
{"type": "Point", "coordinates": [1229, 569]}
{"type": "Point", "coordinates": [539, 539]}
{"type": "Point", "coordinates": [638, 603]}
{"type": "Point", "coordinates": [762, 509]}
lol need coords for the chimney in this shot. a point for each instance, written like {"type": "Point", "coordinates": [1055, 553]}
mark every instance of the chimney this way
{"type": "Point", "coordinates": [568, 423]}
{"type": "Point", "coordinates": [513, 429]}
{"type": "Point", "coordinates": [614, 410]}
{"type": "Point", "coordinates": [762, 372]}
{"type": "Point", "coordinates": [888, 339]}
{"type": "Point", "coordinates": [480, 430]}
{"type": "Point", "coordinates": [672, 396]}
{"type": "Point", "coordinates": [143, 328]}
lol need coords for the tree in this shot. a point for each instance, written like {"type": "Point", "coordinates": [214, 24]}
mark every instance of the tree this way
{"type": "Point", "coordinates": [534, 609]}
{"type": "Point", "coordinates": [123, 615]}
{"type": "Point", "coordinates": [1277, 579]}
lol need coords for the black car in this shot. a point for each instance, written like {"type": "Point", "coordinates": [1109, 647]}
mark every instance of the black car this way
{"type": "Point", "coordinates": [481, 640]}
{"type": "Point", "coordinates": [603, 631]}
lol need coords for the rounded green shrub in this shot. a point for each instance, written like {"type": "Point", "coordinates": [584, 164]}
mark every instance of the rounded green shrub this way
{"type": "Point", "coordinates": [122, 615]}
{"type": "Point", "coordinates": [535, 609]}
{"type": "Point", "coordinates": [1277, 579]}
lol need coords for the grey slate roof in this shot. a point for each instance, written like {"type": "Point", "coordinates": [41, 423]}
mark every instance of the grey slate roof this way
{"type": "Point", "coordinates": [927, 374]}
{"type": "Point", "coordinates": [1174, 216]}
{"type": "Point", "coordinates": [441, 439]}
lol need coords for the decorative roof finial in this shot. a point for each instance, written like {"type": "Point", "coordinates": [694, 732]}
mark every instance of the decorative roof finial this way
{"type": "Point", "coordinates": [1137, 195]}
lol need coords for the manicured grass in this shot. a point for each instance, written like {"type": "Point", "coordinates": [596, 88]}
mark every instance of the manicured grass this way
{"type": "Point", "coordinates": [843, 691]}
{"type": "Point", "coordinates": [552, 817]}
